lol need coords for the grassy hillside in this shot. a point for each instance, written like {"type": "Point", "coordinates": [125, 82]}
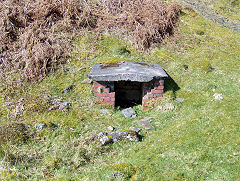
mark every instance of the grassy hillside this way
{"type": "Point", "coordinates": [197, 140]}
{"type": "Point", "coordinates": [227, 8]}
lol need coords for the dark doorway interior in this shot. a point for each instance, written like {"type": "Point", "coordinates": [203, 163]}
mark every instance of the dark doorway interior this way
{"type": "Point", "coordinates": [127, 93]}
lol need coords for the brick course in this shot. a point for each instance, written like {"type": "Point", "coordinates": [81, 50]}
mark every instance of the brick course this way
{"type": "Point", "coordinates": [156, 92]}
{"type": "Point", "coordinates": [104, 92]}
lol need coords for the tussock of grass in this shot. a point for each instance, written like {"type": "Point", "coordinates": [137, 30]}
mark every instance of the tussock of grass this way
{"type": "Point", "coordinates": [15, 133]}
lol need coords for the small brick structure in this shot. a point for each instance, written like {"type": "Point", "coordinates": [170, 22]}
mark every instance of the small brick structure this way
{"type": "Point", "coordinates": [126, 84]}
{"type": "Point", "coordinates": [103, 93]}
{"type": "Point", "coordinates": [150, 93]}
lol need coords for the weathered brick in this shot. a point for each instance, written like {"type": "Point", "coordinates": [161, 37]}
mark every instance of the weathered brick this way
{"type": "Point", "coordinates": [95, 86]}
{"type": "Point", "coordinates": [154, 91]}
{"type": "Point", "coordinates": [97, 99]}
{"type": "Point", "coordinates": [98, 86]}
{"type": "Point", "coordinates": [107, 99]}
{"type": "Point", "coordinates": [106, 90]}
{"type": "Point", "coordinates": [112, 99]}
{"type": "Point", "coordinates": [111, 94]}
{"type": "Point", "coordinates": [160, 87]}
{"type": "Point", "coordinates": [100, 94]}
{"type": "Point", "coordinates": [155, 95]}
{"type": "Point", "coordinates": [97, 94]}
{"type": "Point", "coordinates": [150, 95]}
{"type": "Point", "coordinates": [111, 103]}
{"type": "Point", "coordinates": [162, 91]}
{"type": "Point", "coordinates": [144, 108]}
{"type": "Point", "coordinates": [145, 100]}
{"type": "Point", "coordinates": [96, 90]}
{"type": "Point", "coordinates": [158, 95]}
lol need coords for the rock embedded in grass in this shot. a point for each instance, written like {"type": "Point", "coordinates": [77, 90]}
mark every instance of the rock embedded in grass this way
{"type": "Point", "coordinates": [86, 81]}
{"type": "Point", "coordinates": [60, 106]}
{"type": "Point", "coordinates": [68, 89]}
{"type": "Point", "coordinates": [64, 105]}
{"type": "Point", "coordinates": [218, 96]}
{"type": "Point", "coordinates": [135, 129]}
{"type": "Point", "coordinates": [129, 113]}
{"type": "Point", "coordinates": [41, 126]}
{"type": "Point", "coordinates": [111, 128]}
{"type": "Point", "coordinates": [113, 137]}
{"type": "Point", "coordinates": [82, 68]}
{"type": "Point", "coordinates": [179, 100]}
{"type": "Point", "coordinates": [103, 111]}
{"type": "Point", "coordinates": [50, 125]}
{"type": "Point", "coordinates": [105, 140]}
{"type": "Point", "coordinates": [146, 123]}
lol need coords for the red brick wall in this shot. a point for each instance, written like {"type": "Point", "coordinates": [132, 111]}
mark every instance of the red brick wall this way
{"type": "Point", "coordinates": [152, 91]}
{"type": "Point", "coordinates": [102, 93]}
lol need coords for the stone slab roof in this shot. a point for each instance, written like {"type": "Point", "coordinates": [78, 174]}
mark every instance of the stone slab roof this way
{"type": "Point", "coordinates": [127, 71]}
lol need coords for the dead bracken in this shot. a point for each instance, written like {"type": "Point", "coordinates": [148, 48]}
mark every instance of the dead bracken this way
{"type": "Point", "coordinates": [36, 35]}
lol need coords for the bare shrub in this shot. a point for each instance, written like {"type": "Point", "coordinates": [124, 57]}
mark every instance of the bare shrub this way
{"type": "Point", "coordinates": [35, 35]}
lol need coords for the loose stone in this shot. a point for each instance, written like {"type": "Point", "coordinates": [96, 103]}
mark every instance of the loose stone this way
{"type": "Point", "coordinates": [218, 96]}
{"type": "Point", "coordinates": [41, 126]}
{"type": "Point", "coordinates": [135, 129]}
{"type": "Point", "coordinates": [103, 111]}
{"type": "Point", "coordinates": [87, 81]}
{"type": "Point", "coordinates": [129, 113]}
{"type": "Point", "coordinates": [111, 128]}
{"type": "Point", "coordinates": [67, 90]}
{"type": "Point", "coordinates": [145, 123]}
{"type": "Point", "coordinates": [179, 100]}
{"type": "Point", "coordinates": [117, 136]}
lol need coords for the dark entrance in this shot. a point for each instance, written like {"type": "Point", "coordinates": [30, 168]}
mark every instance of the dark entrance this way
{"type": "Point", "coordinates": [127, 93]}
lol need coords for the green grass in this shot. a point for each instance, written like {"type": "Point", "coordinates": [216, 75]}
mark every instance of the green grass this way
{"type": "Point", "coordinates": [226, 8]}
{"type": "Point", "coordinates": [198, 140]}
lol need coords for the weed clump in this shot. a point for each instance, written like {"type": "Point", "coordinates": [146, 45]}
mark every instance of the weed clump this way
{"type": "Point", "coordinates": [36, 104]}
{"type": "Point", "coordinates": [14, 133]}
{"type": "Point", "coordinates": [125, 170]}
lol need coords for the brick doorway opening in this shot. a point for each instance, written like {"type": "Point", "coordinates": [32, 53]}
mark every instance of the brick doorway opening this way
{"type": "Point", "coordinates": [128, 93]}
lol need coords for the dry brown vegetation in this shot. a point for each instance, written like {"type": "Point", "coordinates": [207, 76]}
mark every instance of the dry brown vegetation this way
{"type": "Point", "coordinates": [35, 35]}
